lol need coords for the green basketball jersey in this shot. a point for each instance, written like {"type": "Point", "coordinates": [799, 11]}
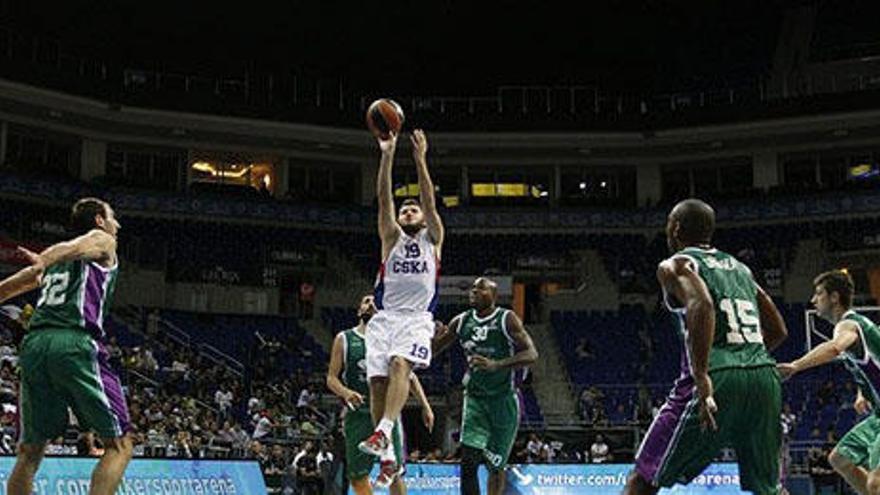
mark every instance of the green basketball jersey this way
{"type": "Point", "coordinates": [861, 361]}
{"type": "Point", "coordinates": [487, 337]}
{"type": "Point", "coordinates": [738, 341]}
{"type": "Point", "coordinates": [354, 373]}
{"type": "Point", "coordinates": [75, 294]}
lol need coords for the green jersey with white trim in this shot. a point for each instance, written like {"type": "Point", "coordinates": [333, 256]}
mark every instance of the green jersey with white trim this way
{"type": "Point", "coordinates": [75, 294]}
{"type": "Point", "coordinates": [739, 341]}
{"type": "Point", "coordinates": [487, 337]}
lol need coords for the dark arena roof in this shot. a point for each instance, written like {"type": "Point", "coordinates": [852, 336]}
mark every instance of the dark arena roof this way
{"type": "Point", "coordinates": [515, 65]}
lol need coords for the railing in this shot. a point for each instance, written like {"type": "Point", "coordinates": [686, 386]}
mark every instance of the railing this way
{"type": "Point", "coordinates": [220, 357]}
{"type": "Point", "coordinates": [171, 330]}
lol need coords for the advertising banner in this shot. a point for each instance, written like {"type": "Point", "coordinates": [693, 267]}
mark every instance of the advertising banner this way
{"type": "Point", "coordinates": [563, 479]}
{"type": "Point", "coordinates": [70, 476]}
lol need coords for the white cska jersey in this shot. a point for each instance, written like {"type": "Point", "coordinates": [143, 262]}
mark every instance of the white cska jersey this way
{"type": "Point", "coordinates": [408, 279]}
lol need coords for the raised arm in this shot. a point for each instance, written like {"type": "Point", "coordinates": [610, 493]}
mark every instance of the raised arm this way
{"type": "Point", "coordinates": [389, 231]}
{"type": "Point", "coordinates": [94, 245]}
{"type": "Point", "coordinates": [24, 280]}
{"type": "Point", "coordinates": [352, 399]}
{"type": "Point", "coordinates": [846, 333]}
{"type": "Point", "coordinates": [426, 188]}
{"type": "Point", "coordinates": [772, 323]}
{"type": "Point", "coordinates": [678, 278]}
{"type": "Point", "coordinates": [526, 352]}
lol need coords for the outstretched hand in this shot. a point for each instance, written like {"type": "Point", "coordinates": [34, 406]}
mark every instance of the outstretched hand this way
{"type": "Point", "coordinates": [33, 258]}
{"type": "Point", "coordinates": [786, 370]}
{"type": "Point", "coordinates": [388, 145]}
{"type": "Point", "coordinates": [420, 144]}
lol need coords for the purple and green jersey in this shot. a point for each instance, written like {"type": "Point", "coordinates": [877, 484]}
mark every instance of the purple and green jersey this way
{"type": "Point", "coordinates": [75, 294]}
{"type": "Point", "coordinates": [862, 361]}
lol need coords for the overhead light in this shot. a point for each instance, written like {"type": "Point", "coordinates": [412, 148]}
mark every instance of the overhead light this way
{"type": "Point", "coordinates": [603, 184]}
{"type": "Point", "coordinates": [582, 185]}
{"type": "Point", "coordinates": [544, 194]}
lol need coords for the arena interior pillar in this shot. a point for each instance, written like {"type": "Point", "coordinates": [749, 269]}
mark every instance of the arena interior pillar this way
{"type": "Point", "coordinates": [765, 169]}
{"type": "Point", "coordinates": [93, 159]}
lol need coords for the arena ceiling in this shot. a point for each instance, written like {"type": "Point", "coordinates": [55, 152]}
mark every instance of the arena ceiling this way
{"type": "Point", "coordinates": [423, 47]}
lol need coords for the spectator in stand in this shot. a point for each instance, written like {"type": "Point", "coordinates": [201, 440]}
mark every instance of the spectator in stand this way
{"type": "Point", "coordinates": [325, 464]}
{"type": "Point", "coordinates": [306, 300]}
{"type": "Point", "coordinates": [308, 478]}
{"type": "Point", "coordinates": [115, 353]}
{"type": "Point", "coordinates": [223, 398]}
{"type": "Point", "coordinates": [307, 401]}
{"type": "Point", "coordinates": [264, 426]}
{"type": "Point", "coordinates": [180, 448]}
{"type": "Point", "coordinates": [821, 473]}
{"type": "Point", "coordinates": [258, 453]}
{"type": "Point", "coordinates": [153, 320]}
{"type": "Point", "coordinates": [599, 451]}
{"type": "Point", "coordinates": [276, 464]}
{"type": "Point", "coordinates": [534, 448]}
{"type": "Point", "coordinates": [309, 427]}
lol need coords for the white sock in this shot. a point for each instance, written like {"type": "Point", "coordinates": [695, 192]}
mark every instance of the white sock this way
{"type": "Point", "coordinates": [385, 426]}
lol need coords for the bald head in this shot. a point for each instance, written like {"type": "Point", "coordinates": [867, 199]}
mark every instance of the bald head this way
{"type": "Point", "coordinates": [691, 222]}
{"type": "Point", "coordinates": [483, 294]}
{"type": "Point", "coordinates": [487, 283]}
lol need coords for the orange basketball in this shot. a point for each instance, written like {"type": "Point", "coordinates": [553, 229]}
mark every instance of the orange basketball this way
{"type": "Point", "coordinates": [384, 117]}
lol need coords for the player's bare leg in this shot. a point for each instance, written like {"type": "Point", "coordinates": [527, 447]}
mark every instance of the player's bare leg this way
{"type": "Point", "coordinates": [362, 486]}
{"type": "Point", "coordinates": [21, 480]}
{"type": "Point", "coordinates": [497, 480]}
{"type": "Point", "coordinates": [398, 390]}
{"type": "Point", "coordinates": [855, 476]}
{"type": "Point", "coordinates": [108, 473]}
{"type": "Point", "coordinates": [378, 389]}
{"type": "Point", "coordinates": [398, 487]}
{"type": "Point", "coordinates": [636, 485]}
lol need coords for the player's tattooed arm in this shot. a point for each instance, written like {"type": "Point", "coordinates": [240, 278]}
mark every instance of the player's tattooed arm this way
{"type": "Point", "coordinates": [526, 351]}
{"type": "Point", "coordinates": [846, 333]}
{"type": "Point", "coordinates": [426, 188]}
{"type": "Point", "coordinates": [95, 245]}
{"type": "Point", "coordinates": [446, 335]}
{"type": "Point", "coordinates": [678, 277]}
{"type": "Point", "coordinates": [352, 399]}
{"type": "Point", "coordinates": [389, 230]}
{"type": "Point", "coordinates": [772, 324]}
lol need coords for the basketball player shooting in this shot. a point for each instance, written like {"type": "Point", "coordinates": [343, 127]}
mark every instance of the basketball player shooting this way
{"type": "Point", "coordinates": [399, 336]}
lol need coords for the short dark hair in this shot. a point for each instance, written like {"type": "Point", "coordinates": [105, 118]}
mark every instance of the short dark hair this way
{"type": "Point", "coordinates": [696, 220]}
{"type": "Point", "coordinates": [410, 201]}
{"type": "Point", "coordinates": [82, 215]}
{"type": "Point", "coordinates": [837, 281]}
